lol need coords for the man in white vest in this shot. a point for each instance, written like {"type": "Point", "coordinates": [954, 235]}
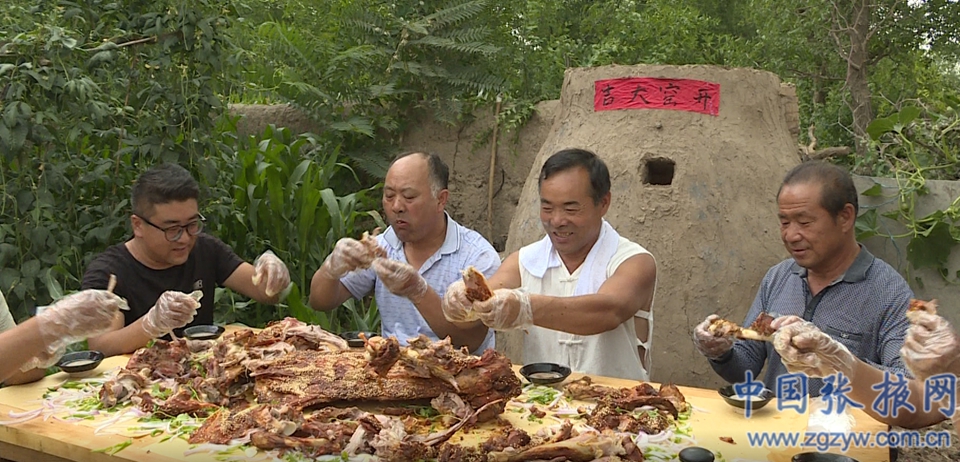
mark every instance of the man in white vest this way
{"type": "Point", "coordinates": [576, 292]}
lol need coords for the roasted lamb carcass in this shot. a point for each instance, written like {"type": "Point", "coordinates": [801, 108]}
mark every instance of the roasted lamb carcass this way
{"type": "Point", "coordinates": [581, 448]}
{"type": "Point", "coordinates": [303, 379]}
{"type": "Point", "coordinates": [300, 335]}
{"type": "Point", "coordinates": [584, 388]}
{"type": "Point", "coordinates": [226, 425]}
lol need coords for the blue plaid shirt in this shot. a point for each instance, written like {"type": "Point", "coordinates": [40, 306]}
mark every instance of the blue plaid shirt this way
{"type": "Point", "coordinates": [461, 248]}
{"type": "Point", "coordinates": [865, 310]}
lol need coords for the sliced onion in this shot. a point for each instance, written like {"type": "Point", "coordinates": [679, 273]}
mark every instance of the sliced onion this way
{"type": "Point", "coordinates": [17, 415]}
{"type": "Point", "coordinates": [25, 418]}
{"type": "Point", "coordinates": [660, 437]}
{"type": "Point", "coordinates": [698, 409]}
{"type": "Point", "coordinates": [120, 417]}
{"type": "Point", "coordinates": [210, 448]}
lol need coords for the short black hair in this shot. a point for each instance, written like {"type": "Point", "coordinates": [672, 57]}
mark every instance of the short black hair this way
{"type": "Point", "coordinates": [439, 172]}
{"type": "Point", "coordinates": [836, 185]}
{"type": "Point", "coordinates": [162, 184]}
{"type": "Point", "coordinates": [567, 159]}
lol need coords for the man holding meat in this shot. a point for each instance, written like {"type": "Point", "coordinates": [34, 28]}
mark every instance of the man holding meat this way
{"type": "Point", "coordinates": [169, 270]}
{"type": "Point", "coordinates": [831, 281]}
{"type": "Point", "coordinates": [425, 251]}
{"type": "Point", "coordinates": [577, 292]}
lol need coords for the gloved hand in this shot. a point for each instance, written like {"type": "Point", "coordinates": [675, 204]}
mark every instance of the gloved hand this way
{"type": "Point", "coordinates": [173, 310]}
{"type": "Point", "coordinates": [508, 309]}
{"type": "Point", "coordinates": [401, 279]}
{"type": "Point", "coordinates": [805, 348]}
{"type": "Point", "coordinates": [83, 314]}
{"type": "Point", "coordinates": [783, 321]}
{"type": "Point", "coordinates": [456, 307]}
{"type": "Point", "coordinates": [348, 255]}
{"type": "Point", "coordinates": [931, 347]}
{"type": "Point", "coordinates": [44, 360]}
{"type": "Point", "coordinates": [708, 344]}
{"type": "Point", "coordinates": [272, 272]}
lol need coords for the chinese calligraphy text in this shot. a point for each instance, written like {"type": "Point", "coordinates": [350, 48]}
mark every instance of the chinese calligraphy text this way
{"type": "Point", "coordinates": [655, 93]}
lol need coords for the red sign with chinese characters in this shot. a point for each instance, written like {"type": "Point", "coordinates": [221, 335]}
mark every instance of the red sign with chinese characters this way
{"type": "Point", "coordinates": [654, 93]}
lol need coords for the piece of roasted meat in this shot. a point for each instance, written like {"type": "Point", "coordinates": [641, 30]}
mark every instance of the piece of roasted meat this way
{"type": "Point", "coordinates": [918, 306]}
{"type": "Point", "coordinates": [477, 288]}
{"type": "Point", "coordinates": [759, 330]}
{"type": "Point", "coordinates": [375, 251]}
{"type": "Point", "coordinates": [382, 353]}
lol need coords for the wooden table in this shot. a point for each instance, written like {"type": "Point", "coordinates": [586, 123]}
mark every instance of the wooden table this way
{"type": "Point", "coordinates": [53, 441]}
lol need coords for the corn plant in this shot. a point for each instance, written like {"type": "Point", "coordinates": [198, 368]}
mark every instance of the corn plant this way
{"type": "Point", "coordinates": [282, 197]}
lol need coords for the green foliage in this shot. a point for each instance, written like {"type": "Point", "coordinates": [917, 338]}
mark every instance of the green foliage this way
{"type": "Point", "coordinates": [281, 190]}
{"type": "Point", "coordinates": [915, 145]}
{"type": "Point", "coordinates": [806, 44]}
{"type": "Point", "coordinates": [363, 70]}
{"type": "Point", "coordinates": [94, 93]}
{"type": "Point", "coordinates": [91, 92]}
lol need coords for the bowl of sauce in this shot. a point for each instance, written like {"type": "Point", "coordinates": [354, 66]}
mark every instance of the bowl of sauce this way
{"type": "Point", "coordinates": [203, 332]}
{"type": "Point", "coordinates": [545, 373]}
{"type": "Point", "coordinates": [80, 361]}
{"type": "Point", "coordinates": [735, 400]}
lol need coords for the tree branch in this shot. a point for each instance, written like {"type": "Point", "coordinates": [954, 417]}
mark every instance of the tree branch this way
{"type": "Point", "coordinates": [830, 152]}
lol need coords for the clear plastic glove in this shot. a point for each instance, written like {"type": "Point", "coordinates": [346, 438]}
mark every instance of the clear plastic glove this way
{"type": "Point", "coordinates": [456, 306]}
{"type": "Point", "coordinates": [348, 255]}
{"type": "Point", "coordinates": [783, 321]}
{"type": "Point", "coordinates": [44, 360]}
{"type": "Point", "coordinates": [269, 270]}
{"type": "Point", "coordinates": [508, 309]}
{"type": "Point", "coordinates": [83, 314]}
{"type": "Point", "coordinates": [401, 279]}
{"type": "Point", "coordinates": [708, 344]}
{"type": "Point", "coordinates": [803, 347]}
{"type": "Point", "coordinates": [931, 347]}
{"type": "Point", "coordinates": [173, 310]}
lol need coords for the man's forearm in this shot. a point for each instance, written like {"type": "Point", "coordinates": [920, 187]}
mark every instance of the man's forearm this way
{"type": "Point", "coordinates": [581, 315]}
{"type": "Point", "coordinates": [470, 334]}
{"type": "Point", "coordinates": [121, 341]}
{"type": "Point", "coordinates": [19, 345]}
{"type": "Point", "coordinates": [863, 379]}
{"type": "Point", "coordinates": [327, 294]}
{"type": "Point", "coordinates": [19, 378]}
{"type": "Point", "coordinates": [733, 365]}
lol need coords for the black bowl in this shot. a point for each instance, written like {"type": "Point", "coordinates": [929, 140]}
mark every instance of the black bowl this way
{"type": "Point", "coordinates": [353, 337]}
{"type": "Point", "coordinates": [203, 332]}
{"type": "Point", "coordinates": [756, 402]}
{"type": "Point", "coordinates": [80, 361]}
{"type": "Point", "coordinates": [697, 454]}
{"type": "Point", "coordinates": [545, 373]}
{"type": "Point", "coordinates": [821, 457]}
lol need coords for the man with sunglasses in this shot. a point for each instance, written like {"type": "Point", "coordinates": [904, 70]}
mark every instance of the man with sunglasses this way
{"type": "Point", "coordinates": [169, 262]}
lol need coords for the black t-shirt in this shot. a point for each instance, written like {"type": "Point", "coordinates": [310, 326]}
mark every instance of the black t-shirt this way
{"type": "Point", "coordinates": [210, 263]}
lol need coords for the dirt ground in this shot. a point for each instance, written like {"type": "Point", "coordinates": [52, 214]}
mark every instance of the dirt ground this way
{"type": "Point", "coordinates": [712, 226]}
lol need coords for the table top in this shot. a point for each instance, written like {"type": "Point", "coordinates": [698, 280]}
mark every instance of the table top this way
{"type": "Point", "coordinates": [712, 418]}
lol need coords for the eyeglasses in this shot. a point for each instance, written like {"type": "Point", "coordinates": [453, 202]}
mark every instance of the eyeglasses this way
{"type": "Point", "coordinates": [173, 233]}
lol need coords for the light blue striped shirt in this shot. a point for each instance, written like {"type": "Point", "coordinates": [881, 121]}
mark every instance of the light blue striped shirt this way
{"type": "Point", "coordinates": [461, 248]}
